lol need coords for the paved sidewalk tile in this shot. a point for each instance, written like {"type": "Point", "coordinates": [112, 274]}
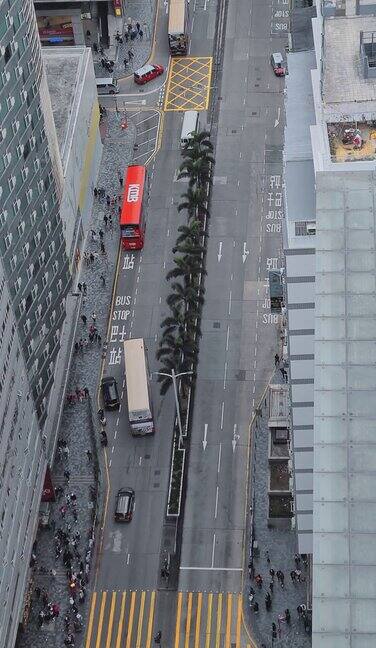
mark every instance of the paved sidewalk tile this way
{"type": "Point", "coordinates": [282, 546]}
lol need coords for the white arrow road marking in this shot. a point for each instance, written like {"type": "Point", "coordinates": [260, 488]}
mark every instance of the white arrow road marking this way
{"type": "Point", "coordinates": [219, 255]}
{"type": "Point", "coordinates": [235, 438]}
{"type": "Point", "coordinates": [245, 252]}
{"type": "Point", "coordinates": [205, 442]}
{"type": "Point", "coordinates": [278, 116]}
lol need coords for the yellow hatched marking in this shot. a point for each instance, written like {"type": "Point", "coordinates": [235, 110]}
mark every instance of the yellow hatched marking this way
{"type": "Point", "coordinates": [121, 621]}
{"type": "Point", "coordinates": [91, 619]}
{"type": "Point", "coordinates": [239, 620]}
{"type": "Point", "coordinates": [178, 619]}
{"type": "Point", "coordinates": [219, 619]}
{"type": "Point", "coordinates": [140, 619]}
{"type": "Point", "coordinates": [188, 85]}
{"type": "Point", "coordinates": [208, 621]}
{"type": "Point", "coordinates": [228, 621]}
{"type": "Point", "coordinates": [100, 622]}
{"type": "Point", "coordinates": [188, 622]}
{"type": "Point", "coordinates": [111, 620]}
{"type": "Point", "coordinates": [130, 622]}
{"type": "Point", "coordinates": [198, 620]}
{"type": "Point", "coordinates": [151, 619]}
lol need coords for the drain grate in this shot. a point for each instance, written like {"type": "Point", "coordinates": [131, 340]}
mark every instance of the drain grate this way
{"type": "Point", "coordinates": [147, 456]}
{"type": "Point", "coordinates": [217, 325]}
{"type": "Point", "coordinates": [157, 472]}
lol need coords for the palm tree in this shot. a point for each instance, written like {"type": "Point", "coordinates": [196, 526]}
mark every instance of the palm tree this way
{"type": "Point", "coordinates": [199, 143]}
{"type": "Point", "coordinates": [193, 232]}
{"type": "Point", "coordinates": [188, 295]}
{"type": "Point", "coordinates": [186, 266]}
{"type": "Point", "coordinates": [194, 203]}
{"type": "Point", "coordinates": [197, 170]}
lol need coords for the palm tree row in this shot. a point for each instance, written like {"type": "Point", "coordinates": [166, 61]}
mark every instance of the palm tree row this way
{"type": "Point", "coordinates": [178, 347]}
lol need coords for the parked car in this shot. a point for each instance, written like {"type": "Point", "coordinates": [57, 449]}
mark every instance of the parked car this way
{"type": "Point", "coordinates": [147, 73]}
{"type": "Point", "coordinates": [110, 393]}
{"type": "Point", "coordinates": [124, 505]}
{"type": "Point", "coordinates": [276, 61]}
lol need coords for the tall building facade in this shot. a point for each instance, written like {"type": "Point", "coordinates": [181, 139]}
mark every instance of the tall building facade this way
{"type": "Point", "coordinates": [34, 282]}
{"type": "Point", "coordinates": [32, 244]}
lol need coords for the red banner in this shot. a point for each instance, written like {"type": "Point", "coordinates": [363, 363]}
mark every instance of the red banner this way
{"type": "Point", "coordinates": [48, 493]}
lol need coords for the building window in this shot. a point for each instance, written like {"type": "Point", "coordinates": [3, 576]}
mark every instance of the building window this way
{"type": "Point", "coordinates": [44, 207]}
{"type": "Point", "coordinates": [36, 164]}
{"type": "Point", "coordinates": [51, 247]}
{"type": "Point", "coordinates": [13, 262]}
{"type": "Point", "coordinates": [25, 249]}
{"type": "Point", "coordinates": [42, 258]}
{"type": "Point", "coordinates": [37, 238]}
{"type": "Point", "coordinates": [6, 159]}
{"type": "Point", "coordinates": [33, 217]}
{"type": "Point", "coordinates": [59, 286]}
{"type": "Point", "coordinates": [45, 279]}
{"type": "Point", "coordinates": [30, 271]}
{"type": "Point", "coordinates": [11, 183]}
{"type": "Point", "coordinates": [30, 349]}
{"type": "Point", "coordinates": [16, 206]}
{"type": "Point", "coordinates": [40, 186]}
{"type": "Point", "coordinates": [22, 306]}
{"type": "Point", "coordinates": [24, 174]}
{"type": "Point", "coordinates": [48, 230]}
{"type": "Point", "coordinates": [46, 351]}
{"type": "Point", "coordinates": [10, 102]}
{"type": "Point", "coordinates": [49, 299]}
{"type": "Point", "coordinates": [50, 369]}
{"type": "Point", "coordinates": [53, 318]}
{"type": "Point", "coordinates": [38, 313]}
{"type": "Point", "coordinates": [34, 291]}
{"type": "Point", "coordinates": [17, 285]}
{"type": "Point", "coordinates": [26, 328]}
{"type": "Point", "coordinates": [15, 126]}
{"type": "Point", "coordinates": [3, 217]}
{"type": "Point", "coordinates": [26, 150]}
{"type": "Point", "coordinates": [7, 53]}
{"type": "Point", "coordinates": [21, 228]}
{"type": "Point", "coordinates": [57, 336]}
{"type": "Point", "coordinates": [27, 119]}
{"type": "Point", "coordinates": [29, 196]}
{"type": "Point", "coordinates": [38, 386]}
{"type": "Point", "coordinates": [8, 240]}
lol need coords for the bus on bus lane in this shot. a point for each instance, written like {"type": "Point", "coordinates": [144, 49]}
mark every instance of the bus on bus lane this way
{"type": "Point", "coordinates": [140, 411]}
{"type": "Point", "coordinates": [132, 214]}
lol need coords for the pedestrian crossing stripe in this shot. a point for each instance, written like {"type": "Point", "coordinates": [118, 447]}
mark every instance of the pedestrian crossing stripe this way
{"type": "Point", "coordinates": [201, 620]}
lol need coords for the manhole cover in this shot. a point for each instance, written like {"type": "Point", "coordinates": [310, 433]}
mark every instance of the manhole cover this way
{"type": "Point", "coordinates": [257, 85]}
{"type": "Point", "coordinates": [147, 456]}
{"type": "Point", "coordinates": [156, 485]}
{"type": "Point", "coordinates": [254, 112]}
{"type": "Point", "coordinates": [217, 325]}
{"type": "Point", "coordinates": [157, 472]}
{"type": "Point", "coordinates": [234, 131]}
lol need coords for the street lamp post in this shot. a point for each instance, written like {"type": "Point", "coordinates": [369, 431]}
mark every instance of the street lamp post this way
{"type": "Point", "coordinates": [173, 377]}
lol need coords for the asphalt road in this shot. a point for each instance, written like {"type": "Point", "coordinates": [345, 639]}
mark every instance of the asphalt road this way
{"type": "Point", "coordinates": [236, 350]}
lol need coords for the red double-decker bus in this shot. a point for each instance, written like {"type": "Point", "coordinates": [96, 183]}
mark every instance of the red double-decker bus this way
{"type": "Point", "coordinates": [132, 223]}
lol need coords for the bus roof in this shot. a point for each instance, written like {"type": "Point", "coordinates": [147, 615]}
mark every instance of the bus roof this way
{"type": "Point", "coordinates": [176, 17]}
{"type": "Point", "coordinates": [132, 197]}
{"type": "Point", "coordinates": [136, 375]}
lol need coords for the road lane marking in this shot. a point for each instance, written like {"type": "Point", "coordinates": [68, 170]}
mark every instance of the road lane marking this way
{"type": "Point", "coordinates": [111, 620]}
{"type": "Point", "coordinates": [219, 458]}
{"type": "Point", "coordinates": [140, 620]}
{"type": "Point", "coordinates": [128, 558]}
{"type": "Point", "coordinates": [229, 303]}
{"type": "Point", "coordinates": [151, 619]}
{"type": "Point", "coordinates": [91, 619]}
{"type": "Point", "coordinates": [238, 621]}
{"type": "Point", "coordinates": [100, 622]}
{"type": "Point", "coordinates": [225, 376]}
{"type": "Point", "coordinates": [130, 621]}
{"type": "Point", "coordinates": [178, 618]}
{"type": "Point", "coordinates": [222, 413]}
{"type": "Point", "coordinates": [228, 621]}
{"type": "Point", "coordinates": [213, 551]}
{"type": "Point", "coordinates": [205, 441]}
{"type": "Point", "coordinates": [227, 336]}
{"type": "Point", "coordinates": [198, 620]}
{"type": "Point", "coordinates": [219, 619]}
{"type": "Point", "coordinates": [121, 621]}
{"type": "Point", "coordinates": [208, 620]}
{"type": "Point", "coordinates": [188, 621]}
{"type": "Point", "coordinates": [216, 503]}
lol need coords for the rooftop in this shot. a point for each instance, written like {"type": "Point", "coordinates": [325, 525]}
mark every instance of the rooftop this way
{"type": "Point", "coordinates": [344, 556]}
{"type": "Point", "coordinates": [62, 65]}
{"type": "Point", "coordinates": [343, 80]}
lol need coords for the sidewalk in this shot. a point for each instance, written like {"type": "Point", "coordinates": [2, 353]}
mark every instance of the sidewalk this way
{"type": "Point", "coordinates": [144, 14]}
{"type": "Point", "coordinates": [79, 428]}
{"type": "Point", "coordinates": [281, 546]}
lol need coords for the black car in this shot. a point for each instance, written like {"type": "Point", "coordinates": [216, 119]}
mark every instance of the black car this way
{"type": "Point", "coordinates": [110, 393]}
{"type": "Point", "coordinates": [124, 505]}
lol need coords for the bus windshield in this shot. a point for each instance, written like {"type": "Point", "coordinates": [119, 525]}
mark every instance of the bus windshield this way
{"type": "Point", "coordinates": [132, 223]}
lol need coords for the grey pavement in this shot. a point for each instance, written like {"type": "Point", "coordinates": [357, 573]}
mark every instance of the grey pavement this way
{"type": "Point", "coordinates": [282, 546]}
{"type": "Point", "coordinates": [80, 419]}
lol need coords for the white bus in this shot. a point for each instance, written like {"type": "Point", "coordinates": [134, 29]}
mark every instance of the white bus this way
{"type": "Point", "coordinates": [140, 410]}
{"type": "Point", "coordinates": [190, 125]}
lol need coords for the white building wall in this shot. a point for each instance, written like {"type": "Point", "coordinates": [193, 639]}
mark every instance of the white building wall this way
{"type": "Point", "coordinates": [22, 470]}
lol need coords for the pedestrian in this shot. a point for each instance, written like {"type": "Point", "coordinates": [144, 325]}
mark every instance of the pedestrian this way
{"type": "Point", "coordinates": [287, 615]}
{"type": "Point", "coordinates": [255, 607]}
{"type": "Point", "coordinates": [103, 280]}
{"type": "Point", "coordinates": [81, 344]}
{"type": "Point", "coordinates": [141, 34]}
{"type": "Point", "coordinates": [298, 574]}
{"type": "Point", "coordinates": [293, 576]}
{"type": "Point", "coordinates": [99, 339]}
{"type": "Point", "coordinates": [95, 192]}
{"type": "Point", "coordinates": [53, 573]}
{"type": "Point", "coordinates": [158, 637]}
{"type": "Point", "coordinates": [79, 286]}
{"type": "Point", "coordinates": [258, 580]}
{"type": "Point", "coordinates": [130, 56]}
{"type": "Point", "coordinates": [37, 591]}
{"type": "Point", "coordinates": [67, 475]}
{"type": "Point", "coordinates": [274, 631]}
{"type": "Point", "coordinates": [93, 317]}
{"type": "Point", "coordinates": [272, 573]}
{"type": "Point", "coordinates": [276, 359]}
{"type": "Point", "coordinates": [76, 347]}
{"type": "Point", "coordinates": [267, 557]}
{"type": "Point", "coordinates": [66, 452]}
{"type": "Point", "coordinates": [84, 319]}
{"type": "Point", "coordinates": [279, 575]}
{"type": "Point", "coordinates": [101, 234]}
{"type": "Point", "coordinates": [282, 579]}
{"type": "Point", "coordinates": [103, 249]}
{"type": "Point", "coordinates": [44, 597]}
{"type": "Point", "coordinates": [297, 560]}
{"type": "Point", "coordinates": [92, 257]}
{"type": "Point", "coordinates": [121, 182]}
{"type": "Point", "coordinates": [126, 36]}
{"type": "Point", "coordinates": [93, 234]}
{"type": "Point", "coordinates": [105, 218]}
{"type": "Point", "coordinates": [271, 586]}
{"type": "Point", "coordinates": [138, 27]}
{"type": "Point", "coordinates": [108, 200]}
{"type": "Point", "coordinates": [86, 258]}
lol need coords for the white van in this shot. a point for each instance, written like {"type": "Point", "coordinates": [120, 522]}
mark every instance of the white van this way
{"type": "Point", "coordinates": [107, 86]}
{"type": "Point", "coordinates": [190, 125]}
